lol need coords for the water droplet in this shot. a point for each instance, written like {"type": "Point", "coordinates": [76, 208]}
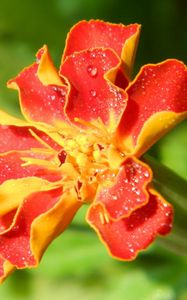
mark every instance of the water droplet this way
{"type": "Point", "coordinates": [125, 208]}
{"type": "Point", "coordinates": [136, 191]}
{"type": "Point", "coordinates": [93, 93]}
{"type": "Point", "coordinates": [139, 170]}
{"type": "Point", "coordinates": [53, 97]}
{"type": "Point", "coordinates": [93, 54]}
{"type": "Point", "coordinates": [59, 90]}
{"type": "Point", "coordinates": [92, 71]}
{"type": "Point", "coordinates": [114, 197]}
{"type": "Point", "coordinates": [146, 174]}
{"type": "Point", "coordinates": [167, 214]}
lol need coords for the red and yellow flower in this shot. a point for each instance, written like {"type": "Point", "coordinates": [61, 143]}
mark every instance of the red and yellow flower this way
{"type": "Point", "coordinates": [84, 131]}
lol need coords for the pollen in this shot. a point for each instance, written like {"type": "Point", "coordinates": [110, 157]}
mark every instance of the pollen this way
{"type": "Point", "coordinates": [71, 145]}
{"type": "Point", "coordinates": [97, 155]}
{"type": "Point", "coordinates": [82, 160]}
{"type": "Point", "coordinates": [85, 143]}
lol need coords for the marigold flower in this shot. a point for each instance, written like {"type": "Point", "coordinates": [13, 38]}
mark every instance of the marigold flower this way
{"type": "Point", "coordinates": [80, 143]}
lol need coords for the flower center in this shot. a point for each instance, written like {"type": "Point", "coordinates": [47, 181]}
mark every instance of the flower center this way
{"type": "Point", "coordinates": [91, 150]}
{"type": "Point", "coordinates": [88, 157]}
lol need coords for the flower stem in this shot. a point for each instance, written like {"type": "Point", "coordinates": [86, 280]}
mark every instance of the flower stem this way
{"type": "Point", "coordinates": [174, 190]}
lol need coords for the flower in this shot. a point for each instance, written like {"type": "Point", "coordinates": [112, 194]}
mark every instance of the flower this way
{"type": "Point", "coordinates": [80, 143]}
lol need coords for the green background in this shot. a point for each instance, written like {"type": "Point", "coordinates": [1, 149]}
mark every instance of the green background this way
{"type": "Point", "coordinates": [76, 265]}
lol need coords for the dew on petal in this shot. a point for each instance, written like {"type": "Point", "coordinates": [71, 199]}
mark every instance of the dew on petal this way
{"type": "Point", "coordinates": [138, 200]}
{"type": "Point", "coordinates": [93, 54]}
{"type": "Point", "coordinates": [131, 250]}
{"type": "Point", "coordinates": [93, 93]}
{"type": "Point", "coordinates": [92, 71]}
{"type": "Point", "coordinates": [53, 97]}
{"type": "Point", "coordinates": [146, 174]}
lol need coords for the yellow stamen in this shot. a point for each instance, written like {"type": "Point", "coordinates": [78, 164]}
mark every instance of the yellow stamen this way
{"type": "Point", "coordinates": [41, 150]}
{"type": "Point", "coordinates": [82, 160]}
{"type": "Point", "coordinates": [103, 127]}
{"type": "Point", "coordinates": [85, 123]}
{"type": "Point", "coordinates": [34, 161]}
{"type": "Point", "coordinates": [106, 218]}
{"type": "Point", "coordinates": [97, 155]}
{"type": "Point", "coordinates": [101, 218]}
{"type": "Point", "coordinates": [71, 144]}
{"type": "Point", "coordinates": [85, 142]}
{"type": "Point", "coordinates": [65, 129]}
{"type": "Point", "coordinates": [42, 142]}
{"type": "Point", "coordinates": [69, 171]}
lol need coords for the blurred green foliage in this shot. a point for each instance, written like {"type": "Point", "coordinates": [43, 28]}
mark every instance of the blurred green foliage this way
{"type": "Point", "coordinates": [76, 265]}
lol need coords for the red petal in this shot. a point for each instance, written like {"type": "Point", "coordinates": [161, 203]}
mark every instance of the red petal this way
{"type": "Point", "coordinates": [93, 34]}
{"type": "Point", "coordinates": [121, 80]}
{"type": "Point", "coordinates": [20, 138]}
{"type": "Point", "coordinates": [42, 93]}
{"type": "Point", "coordinates": [126, 237]}
{"type": "Point", "coordinates": [157, 96]}
{"type": "Point", "coordinates": [92, 95]}
{"type": "Point", "coordinates": [129, 191]}
{"type": "Point", "coordinates": [11, 167]}
{"type": "Point", "coordinates": [6, 220]}
{"type": "Point", "coordinates": [15, 242]}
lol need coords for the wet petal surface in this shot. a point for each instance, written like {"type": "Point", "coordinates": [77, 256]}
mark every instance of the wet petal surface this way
{"type": "Point", "coordinates": [126, 237]}
{"type": "Point", "coordinates": [95, 33]}
{"type": "Point", "coordinates": [157, 101]}
{"type": "Point", "coordinates": [15, 242]}
{"type": "Point", "coordinates": [11, 165]}
{"type": "Point", "coordinates": [91, 94]}
{"type": "Point", "coordinates": [21, 138]}
{"type": "Point", "coordinates": [42, 92]}
{"type": "Point", "coordinates": [129, 191]}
